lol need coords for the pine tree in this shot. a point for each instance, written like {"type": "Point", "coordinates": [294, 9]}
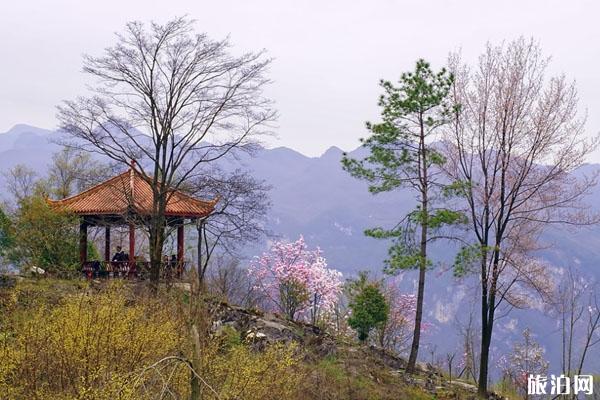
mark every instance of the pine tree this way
{"type": "Point", "coordinates": [402, 155]}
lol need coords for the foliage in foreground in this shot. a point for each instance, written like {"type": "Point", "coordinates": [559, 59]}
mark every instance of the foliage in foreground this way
{"type": "Point", "coordinates": [113, 344]}
{"type": "Point", "coordinates": [87, 346]}
{"type": "Point", "coordinates": [69, 339]}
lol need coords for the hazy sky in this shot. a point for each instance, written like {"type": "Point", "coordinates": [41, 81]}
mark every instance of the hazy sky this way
{"type": "Point", "coordinates": [329, 55]}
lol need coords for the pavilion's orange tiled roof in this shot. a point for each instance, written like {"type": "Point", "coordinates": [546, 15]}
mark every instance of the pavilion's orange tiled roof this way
{"type": "Point", "coordinates": [131, 191]}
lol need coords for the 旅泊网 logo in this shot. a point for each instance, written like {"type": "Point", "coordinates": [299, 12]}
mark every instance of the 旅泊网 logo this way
{"type": "Point", "coordinates": [560, 384]}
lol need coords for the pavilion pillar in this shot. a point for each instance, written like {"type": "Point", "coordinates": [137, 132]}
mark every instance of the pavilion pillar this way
{"type": "Point", "coordinates": [107, 243]}
{"type": "Point", "coordinates": [180, 241]}
{"type": "Point", "coordinates": [131, 242]}
{"type": "Point", "coordinates": [83, 241]}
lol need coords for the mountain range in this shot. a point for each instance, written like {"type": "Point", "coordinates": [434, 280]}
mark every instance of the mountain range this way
{"type": "Point", "coordinates": [314, 197]}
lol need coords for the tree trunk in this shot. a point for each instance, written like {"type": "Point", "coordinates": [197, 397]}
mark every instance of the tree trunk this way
{"type": "Point", "coordinates": [414, 348]}
{"type": "Point", "coordinates": [483, 354]}
{"type": "Point", "coordinates": [195, 393]}
{"type": "Point", "coordinates": [487, 326]}
{"type": "Point", "coordinates": [157, 239]}
{"type": "Point", "coordinates": [486, 338]}
{"type": "Point", "coordinates": [202, 258]}
{"type": "Point", "coordinates": [199, 248]}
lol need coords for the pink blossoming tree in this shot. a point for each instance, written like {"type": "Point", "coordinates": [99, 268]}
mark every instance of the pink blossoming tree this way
{"type": "Point", "coordinates": [296, 280]}
{"type": "Point", "coordinates": [396, 333]}
{"type": "Point", "coordinates": [527, 358]}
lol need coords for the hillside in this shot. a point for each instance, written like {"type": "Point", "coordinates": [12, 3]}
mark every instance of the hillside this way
{"type": "Point", "coordinates": [316, 198]}
{"type": "Point", "coordinates": [324, 367]}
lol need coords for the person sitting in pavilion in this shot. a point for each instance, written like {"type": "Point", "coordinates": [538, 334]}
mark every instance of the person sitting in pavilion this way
{"type": "Point", "coordinates": [120, 255]}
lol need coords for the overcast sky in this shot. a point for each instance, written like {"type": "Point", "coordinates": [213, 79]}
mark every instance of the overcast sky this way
{"type": "Point", "coordinates": [329, 55]}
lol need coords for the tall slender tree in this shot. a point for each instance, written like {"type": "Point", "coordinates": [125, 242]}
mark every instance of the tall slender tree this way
{"type": "Point", "coordinates": [402, 155]}
{"type": "Point", "coordinates": [173, 100]}
{"type": "Point", "coordinates": [512, 147]}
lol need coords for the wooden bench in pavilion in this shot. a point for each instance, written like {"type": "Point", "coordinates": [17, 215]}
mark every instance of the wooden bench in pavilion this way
{"type": "Point", "coordinates": [126, 200]}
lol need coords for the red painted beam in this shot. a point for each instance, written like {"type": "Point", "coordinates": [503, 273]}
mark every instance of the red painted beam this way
{"type": "Point", "coordinates": [107, 243]}
{"type": "Point", "coordinates": [131, 242]}
{"type": "Point", "coordinates": [180, 241]}
{"type": "Point", "coordinates": [83, 242]}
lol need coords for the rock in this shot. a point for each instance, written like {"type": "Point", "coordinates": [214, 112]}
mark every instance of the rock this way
{"type": "Point", "coordinates": [261, 329]}
{"type": "Point", "coordinates": [322, 345]}
{"type": "Point", "coordinates": [390, 360]}
{"type": "Point", "coordinates": [465, 386]}
{"type": "Point", "coordinates": [186, 287]}
{"type": "Point", "coordinates": [36, 270]}
{"type": "Point", "coordinates": [253, 337]}
{"type": "Point", "coordinates": [422, 367]}
{"type": "Point", "coordinates": [430, 383]}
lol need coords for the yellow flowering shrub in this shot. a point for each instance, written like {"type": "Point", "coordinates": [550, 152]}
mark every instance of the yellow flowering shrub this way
{"type": "Point", "coordinates": [241, 373]}
{"type": "Point", "coordinates": [64, 340]}
{"type": "Point", "coordinates": [87, 347]}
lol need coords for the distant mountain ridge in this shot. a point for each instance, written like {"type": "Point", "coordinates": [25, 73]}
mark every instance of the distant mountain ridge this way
{"type": "Point", "coordinates": [314, 197]}
{"type": "Point", "coordinates": [24, 144]}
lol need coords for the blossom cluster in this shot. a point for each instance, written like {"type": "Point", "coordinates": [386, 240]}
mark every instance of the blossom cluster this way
{"type": "Point", "coordinates": [296, 280]}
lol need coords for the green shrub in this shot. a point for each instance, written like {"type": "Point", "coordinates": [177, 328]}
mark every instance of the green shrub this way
{"type": "Point", "coordinates": [46, 238]}
{"type": "Point", "coordinates": [369, 310]}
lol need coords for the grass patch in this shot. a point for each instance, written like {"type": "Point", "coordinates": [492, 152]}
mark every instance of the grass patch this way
{"type": "Point", "coordinates": [330, 367]}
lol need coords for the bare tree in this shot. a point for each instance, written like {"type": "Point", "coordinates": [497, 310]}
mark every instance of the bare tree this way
{"type": "Point", "coordinates": [20, 182]}
{"type": "Point", "coordinates": [515, 141]}
{"type": "Point", "coordinates": [70, 170]}
{"type": "Point", "coordinates": [232, 283]}
{"type": "Point", "coordinates": [395, 333]}
{"type": "Point", "coordinates": [468, 361]}
{"type": "Point", "coordinates": [238, 218]}
{"type": "Point", "coordinates": [173, 100]}
{"type": "Point", "coordinates": [577, 309]}
{"type": "Point", "coordinates": [73, 170]}
{"type": "Point", "coordinates": [449, 361]}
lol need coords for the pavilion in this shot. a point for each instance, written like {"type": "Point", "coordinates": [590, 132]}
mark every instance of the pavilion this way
{"type": "Point", "coordinates": [126, 199]}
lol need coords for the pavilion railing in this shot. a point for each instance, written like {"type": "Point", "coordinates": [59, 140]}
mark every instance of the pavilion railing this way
{"type": "Point", "coordinates": [132, 269]}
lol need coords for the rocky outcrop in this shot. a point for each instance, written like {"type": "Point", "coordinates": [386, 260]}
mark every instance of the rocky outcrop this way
{"type": "Point", "coordinates": [259, 329]}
